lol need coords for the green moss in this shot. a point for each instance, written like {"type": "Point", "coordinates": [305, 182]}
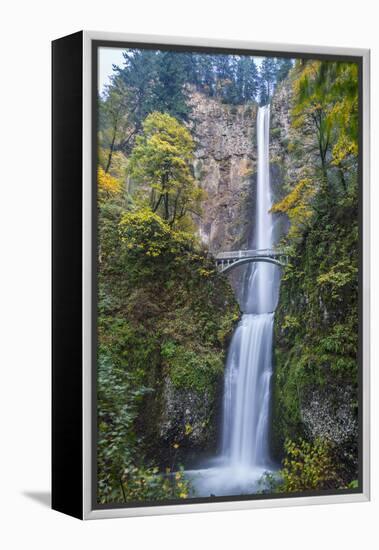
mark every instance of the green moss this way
{"type": "Point", "coordinates": [275, 132]}
{"type": "Point", "coordinates": [198, 370]}
{"type": "Point", "coordinates": [316, 323]}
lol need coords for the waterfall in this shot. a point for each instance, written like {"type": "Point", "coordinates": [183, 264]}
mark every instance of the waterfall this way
{"type": "Point", "coordinates": [246, 405]}
{"type": "Point", "coordinates": [245, 437]}
{"type": "Point", "coordinates": [247, 393]}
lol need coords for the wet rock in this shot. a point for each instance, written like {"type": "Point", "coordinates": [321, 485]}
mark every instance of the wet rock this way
{"type": "Point", "coordinates": [329, 415]}
{"type": "Point", "coordinates": [188, 417]}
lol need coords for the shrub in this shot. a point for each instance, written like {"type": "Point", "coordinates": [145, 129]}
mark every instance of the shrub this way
{"type": "Point", "coordinates": [308, 466]}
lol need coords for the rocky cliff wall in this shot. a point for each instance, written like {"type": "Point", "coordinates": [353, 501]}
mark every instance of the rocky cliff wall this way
{"type": "Point", "coordinates": [225, 165]}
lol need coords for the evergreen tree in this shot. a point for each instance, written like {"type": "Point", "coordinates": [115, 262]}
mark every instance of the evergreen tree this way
{"type": "Point", "coordinates": [262, 92]}
{"type": "Point", "coordinates": [138, 76]}
{"type": "Point", "coordinates": [191, 67]}
{"type": "Point", "coordinates": [206, 70]}
{"type": "Point", "coordinates": [240, 80]}
{"type": "Point", "coordinates": [226, 78]}
{"type": "Point", "coordinates": [221, 66]}
{"type": "Point", "coordinates": [267, 75]}
{"type": "Point", "coordinates": [246, 79]}
{"type": "Point", "coordinates": [168, 91]}
{"type": "Point", "coordinates": [283, 66]}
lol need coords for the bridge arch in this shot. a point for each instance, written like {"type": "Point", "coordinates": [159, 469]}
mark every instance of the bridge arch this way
{"type": "Point", "coordinates": [225, 261]}
{"type": "Point", "coordinates": [226, 266]}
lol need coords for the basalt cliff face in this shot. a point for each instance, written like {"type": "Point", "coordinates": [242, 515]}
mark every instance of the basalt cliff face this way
{"type": "Point", "coordinates": [225, 165]}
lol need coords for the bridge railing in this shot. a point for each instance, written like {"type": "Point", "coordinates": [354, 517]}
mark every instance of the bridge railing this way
{"type": "Point", "coordinates": [234, 254]}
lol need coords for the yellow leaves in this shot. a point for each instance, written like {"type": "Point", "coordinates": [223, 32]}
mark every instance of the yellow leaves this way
{"type": "Point", "coordinates": [166, 131]}
{"type": "Point", "coordinates": [308, 466]}
{"type": "Point", "coordinates": [299, 119]}
{"type": "Point", "coordinates": [205, 272]}
{"type": "Point", "coordinates": [297, 205]}
{"type": "Point", "coordinates": [294, 197]}
{"type": "Point", "coordinates": [106, 183]}
{"type": "Point", "coordinates": [176, 445]}
{"type": "Point", "coordinates": [118, 165]}
{"type": "Point", "coordinates": [344, 116]}
{"type": "Point", "coordinates": [344, 148]}
{"type": "Point", "coordinates": [144, 231]}
{"type": "Point", "coordinates": [188, 429]}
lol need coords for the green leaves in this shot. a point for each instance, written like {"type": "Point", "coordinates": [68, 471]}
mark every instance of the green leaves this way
{"type": "Point", "coordinates": [161, 162]}
{"type": "Point", "coordinates": [144, 232]}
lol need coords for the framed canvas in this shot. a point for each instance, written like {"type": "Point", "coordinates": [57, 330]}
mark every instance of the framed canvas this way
{"type": "Point", "coordinates": [210, 275]}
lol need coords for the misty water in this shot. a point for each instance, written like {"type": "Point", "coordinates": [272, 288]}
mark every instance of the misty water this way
{"type": "Point", "coordinates": [245, 452]}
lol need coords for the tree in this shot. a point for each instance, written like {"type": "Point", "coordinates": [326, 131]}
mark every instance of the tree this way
{"type": "Point", "coordinates": [298, 207]}
{"type": "Point", "coordinates": [326, 97]}
{"type": "Point", "coordinates": [113, 121]}
{"type": "Point", "coordinates": [169, 88]}
{"type": "Point", "coordinates": [267, 74]}
{"type": "Point", "coordinates": [206, 70]}
{"type": "Point", "coordinates": [161, 163]}
{"type": "Point", "coordinates": [137, 76]}
{"type": "Point", "coordinates": [240, 80]}
{"type": "Point", "coordinates": [107, 184]}
{"type": "Point", "coordinates": [251, 79]}
{"type": "Point", "coordinates": [190, 62]}
{"type": "Point", "coordinates": [311, 104]}
{"type": "Point", "coordinates": [246, 79]}
{"type": "Point", "coordinates": [225, 66]}
{"type": "Point", "coordinates": [344, 111]}
{"type": "Point", "coordinates": [283, 67]}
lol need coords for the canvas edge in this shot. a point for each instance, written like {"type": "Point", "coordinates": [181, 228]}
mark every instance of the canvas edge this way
{"type": "Point", "coordinates": [88, 512]}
